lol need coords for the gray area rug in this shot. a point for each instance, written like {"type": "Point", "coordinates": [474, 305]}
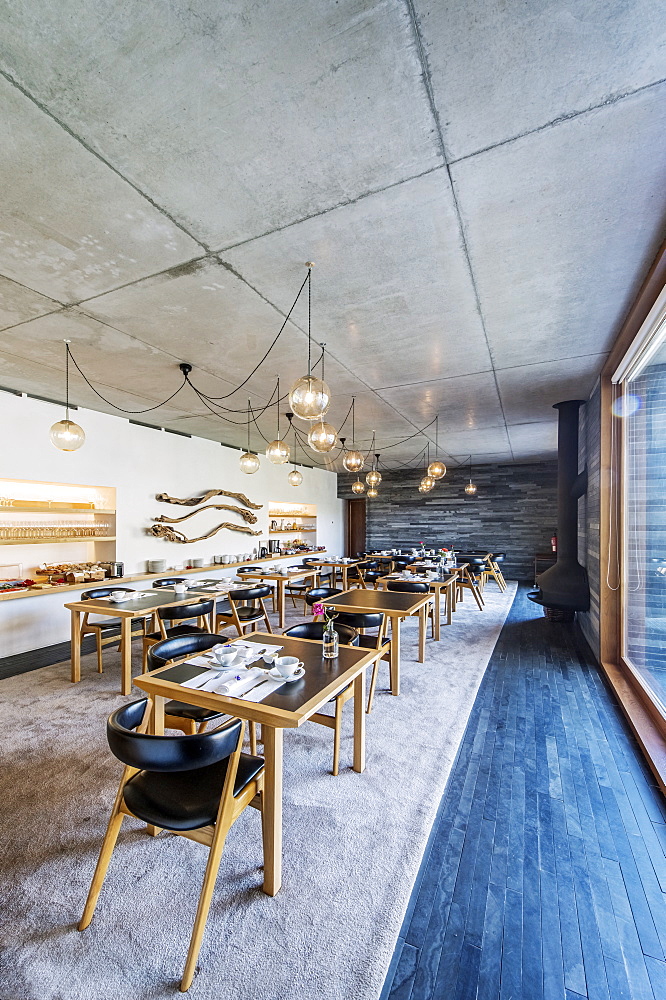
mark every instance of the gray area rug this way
{"type": "Point", "coordinates": [352, 844]}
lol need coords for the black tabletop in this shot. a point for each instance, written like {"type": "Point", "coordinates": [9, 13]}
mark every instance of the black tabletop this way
{"type": "Point", "coordinates": [376, 600]}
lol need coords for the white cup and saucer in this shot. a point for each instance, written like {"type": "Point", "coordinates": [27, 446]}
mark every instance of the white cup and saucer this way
{"type": "Point", "coordinates": [226, 656]}
{"type": "Point", "coordinates": [180, 588]}
{"type": "Point", "coordinates": [118, 596]}
{"type": "Point", "coordinates": [287, 668]}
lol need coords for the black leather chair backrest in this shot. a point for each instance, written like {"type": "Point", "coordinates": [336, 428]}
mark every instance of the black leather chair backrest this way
{"type": "Point", "coordinates": [249, 569]}
{"type": "Point", "coordinates": [315, 630]}
{"type": "Point", "coordinates": [167, 753]}
{"type": "Point", "coordinates": [371, 564]}
{"type": "Point", "coordinates": [250, 593]}
{"type": "Point", "coordinates": [320, 594]}
{"type": "Point", "coordinates": [182, 645]}
{"type": "Point", "coordinates": [196, 610]}
{"type": "Point", "coordinates": [168, 581]}
{"type": "Point", "coordinates": [91, 595]}
{"type": "Point", "coordinates": [400, 562]}
{"type": "Point", "coordinates": [360, 619]}
{"type": "Point", "coordinates": [406, 587]}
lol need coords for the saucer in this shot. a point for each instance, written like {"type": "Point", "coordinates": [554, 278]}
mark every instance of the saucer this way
{"type": "Point", "coordinates": [277, 676]}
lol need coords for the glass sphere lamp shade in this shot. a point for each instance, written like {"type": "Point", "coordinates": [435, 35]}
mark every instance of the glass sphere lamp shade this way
{"type": "Point", "coordinates": [423, 489]}
{"type": "Point", "coordinates": [358, 487]}
{"type": "Point", "coordinates": [322, 437]}
{"type": "Point", "coordinates": [372, 493]}
{"type": "Point", "coordinates": [428, 483]}
{"type": "Point", "coordinates": [278, 452]}
{"type": "Point", "coordinates": [470, 489]}
{"type": "Point", "coordinates": [437, 470]}
{"type": "Point", "coordinates": [67, 436]}
{"type": "Point", "coordinates": [309, 398]}
{"type": "Point", "coordinates": [295, 478]}
{"type": "Point", "coordinates": [249, 462]}
{"type": "Point", "coordinates": [353, 461]}
{"type": "Point", "coordinates": [373, 478]}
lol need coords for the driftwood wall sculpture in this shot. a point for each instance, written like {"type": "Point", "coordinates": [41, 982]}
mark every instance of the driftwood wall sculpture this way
{"type": "Point", "coordinates": [161, 528]}
{"type": "Point", "coordinates": [171, 535]}
{"type": "Point", "coordinates": [193, 501]}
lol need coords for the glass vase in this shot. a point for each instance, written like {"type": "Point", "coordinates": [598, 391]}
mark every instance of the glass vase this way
{"type": "Point", "coordinates": [330, 642]}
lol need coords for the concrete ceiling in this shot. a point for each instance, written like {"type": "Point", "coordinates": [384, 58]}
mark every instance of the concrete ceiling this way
{"type": "Point", "coordinates": [480, 185]}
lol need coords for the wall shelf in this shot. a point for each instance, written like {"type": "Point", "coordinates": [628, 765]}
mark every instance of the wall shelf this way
{"type": "Point", "coordinates": [290, 531]}
{"type": "Point", "coordinates": [51, 539]}
{"type": "Point", "coordinates": [27, 509]}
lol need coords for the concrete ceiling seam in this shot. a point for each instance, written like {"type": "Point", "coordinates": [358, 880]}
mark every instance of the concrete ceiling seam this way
{"type": "Point", "coordinates": [427, 83]}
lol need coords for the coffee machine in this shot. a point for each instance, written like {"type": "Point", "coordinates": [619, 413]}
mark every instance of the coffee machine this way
{"type": "Point", "coordinates": [274, 546]}
{"type": "Point", "coordinates": [263, 552]}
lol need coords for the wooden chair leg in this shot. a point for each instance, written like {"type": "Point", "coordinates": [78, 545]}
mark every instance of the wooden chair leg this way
{"type": "Point", "coordinates": [266, 618]}
{"type": "Point", "coordinates": [253, 738]}
{"type": "Point", "coordinates": [373, 683]}
{"type": "Point", "coordinates": [98, 643]}
{"type": "Point", "coordinates": [337, 733]}
{"type": "Point", "coordinates": [210, 877]}
{"type": "Point", "coordinates": [109, 842]}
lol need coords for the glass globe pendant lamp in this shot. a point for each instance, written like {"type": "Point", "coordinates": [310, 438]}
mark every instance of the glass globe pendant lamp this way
{"type": "Point", "coordinates": [372, 493]}
{"type": "Point", "coordinates": [278, 451]}
{"type": "Point", "coordinates": [249, 462]}
{"type": "Point", "coordinates": [436, 469]}
{"type": "Point", "coordinates": [65, 434]}
{"type": "Point", "coordinates": [295, 478]}
{"type": "Point", "coordinates": [310, 397]}
{"type": "Point", "coordinates": [353, 460]}
{"type": "Point", "coordinates": [374, 477]}
{"type": "Point", "coordinates": [358, 487]}
{"type": "Point", "coordinates": [322, 437]}
{"type": "Point", "coordinates": [427, 483]}
{"type": "Point", "coordinates": [423, 489]}
{"type": "Point", "coordinates": [471, 487]}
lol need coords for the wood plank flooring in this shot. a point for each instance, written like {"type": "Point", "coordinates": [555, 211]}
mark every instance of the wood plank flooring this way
{"type": "Point", "coordinates": [545, 872]}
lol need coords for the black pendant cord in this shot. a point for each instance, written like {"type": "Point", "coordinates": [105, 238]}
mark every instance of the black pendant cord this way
{"type": "Point", "coordinates": [309, 281]}
{"type": "Point", "coordinates": [278, 409]}
{"type": "Point", "coordinates": [122, 409]}
{"type": "Point", "coordinates": [249, 407]}
{"type": "Point", "coordinates": [228, 420]}
{"type": "Point", "coordinates": [67, 381]}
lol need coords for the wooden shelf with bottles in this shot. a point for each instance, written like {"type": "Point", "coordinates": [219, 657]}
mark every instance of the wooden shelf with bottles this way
{"type": "Point", "coordinates": [57, 539]}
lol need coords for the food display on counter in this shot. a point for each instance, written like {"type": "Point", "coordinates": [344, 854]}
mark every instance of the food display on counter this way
{"type": "Point", "coordinates": [12, 586]}
{"type": "Point", "coordinates": [71, 573]}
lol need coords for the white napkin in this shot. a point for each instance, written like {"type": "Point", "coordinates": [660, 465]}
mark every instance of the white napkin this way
{"type": "Point", "coordinates": [234, 688]}
{"type": "Point", "coordinates": [254, 648]}
{"type": "Point", "coordinates": [202, 680]}
{"type": "Point", "coordinates": [263, 690]}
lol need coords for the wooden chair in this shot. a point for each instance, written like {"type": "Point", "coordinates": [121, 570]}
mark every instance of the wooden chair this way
{"type": "Point", "coordinates": [363, 621]}
{"type": "Point", "coordinates": [240, 609]}
{"type": "Point", "coordinates": [495, 570]}
{"type": "Point", "coordinates": [356, 576]}
{"type": "Point", "coordinates": [107, 630]}
{"type": "Point", "coordinates": [348, 636]}
{"type": "Point", "coordinates": [407, 587]}
{"type": "Point", "coordinates": [318, 594]}
{"type": "Point", "coordinates": [193, 786]}
{"type": "Point", "coordinates": [200, 611]}
{"type": "Point", "coordinates": [178, 714]}
{"type": "Point", "coordinates": [266, 583]}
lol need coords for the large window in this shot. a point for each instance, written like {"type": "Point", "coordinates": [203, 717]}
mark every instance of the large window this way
{"type": "Point", "coordinates": [640, 411]}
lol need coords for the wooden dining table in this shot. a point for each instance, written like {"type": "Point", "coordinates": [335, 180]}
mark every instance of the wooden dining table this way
{"type": "Point", "coordinates": [396, 607]}
{"type": "Point", "coordinates": [338, 566]}
{"type": "Point", "coordinates": [282, 579]}
{"type": "Point", "coordinates": [127, 611]}
{"type": "Point", "coordinates": [438, 587]}
{"type": "Point", "coordinates": [289, 707]}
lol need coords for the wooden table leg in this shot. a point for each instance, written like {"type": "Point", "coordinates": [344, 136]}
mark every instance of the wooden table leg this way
{"type": "Point", "coordinates": [423, 624]}
{"type": "Point", "coordinates": [394, 663]}
{"type": "Point", "coordinates": [155, 727]}
{"type": "Point", "coordinates": [76, 646]}
{"type": "Point", "coordinates": [449, 601]}
{"type": "Point", "coordinates": [359, 722]}
{"type": "Point", "coordinates": [272, 824]}
{"type": "Point", "coordinates": [126, 656]}
{"type": "Point", "coordinates": [281, 611]}
{"type": "Point", "coordinates": [436, 615]}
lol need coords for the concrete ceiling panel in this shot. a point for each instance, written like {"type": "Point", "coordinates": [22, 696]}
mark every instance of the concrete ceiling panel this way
{"type": "Point", "coordinates": [391, 289]}
{"type": "Point", "coordinates": [562, 227]}
{"type": "Point", "coordinates": [237, 119]}
{"type": "Point", "coordinates": [528, 394]}
{"type": "Point", "coordinates": [69, 226]}
{"type": "Point", "coordinates": [18, 303]}
{"type": "Point", "coordinates": [498, 70]}
{"type": "Point", "coordinates": [469, 402]}
{"type": "Point", "coordinates": [532, 441]}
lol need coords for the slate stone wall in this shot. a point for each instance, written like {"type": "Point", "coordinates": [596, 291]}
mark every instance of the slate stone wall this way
{"type": "Point", "coordinates": [514, 511]}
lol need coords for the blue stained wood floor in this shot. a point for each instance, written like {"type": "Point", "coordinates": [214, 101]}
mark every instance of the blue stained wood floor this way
{"type": "Point", "coordinates": [545, 872]}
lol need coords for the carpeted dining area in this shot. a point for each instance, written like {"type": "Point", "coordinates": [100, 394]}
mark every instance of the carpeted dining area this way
{"type": "Point", "coordinates": [352, 844]}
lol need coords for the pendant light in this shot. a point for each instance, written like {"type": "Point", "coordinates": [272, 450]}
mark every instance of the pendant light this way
{"type": "Point", "coordinates": [372, 493]}
{"type": "Point", "coordinates": [471, 488]}
{"type": "Point", "coordinates": [249, 462]}
{"type": "Point", "coordinates": [322, 437]}
{"type": "Point", "coordinates": [353, 460]}
{"type": "Point", "coordinates": [310, 397]}
{"type": "Point", "coordinates": [374, 477]}
{"type": "Point", "coordinates": [436, 469]}
{"type": "Point", "coordinates": [358, 487]}
{"type": "Point", "coordinates": [295, 477]}
{"type": "Point", "coordinates": [277, 451]}
{"type": "Point", "coordinates": [427, 482]}
{"type": "Point", "coordinates": [65, 434]}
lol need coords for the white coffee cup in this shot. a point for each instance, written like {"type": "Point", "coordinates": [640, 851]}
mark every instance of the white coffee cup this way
{"type": "Point", "coordinates": [287, 665]}
{"type": "Point", "coordinates": [118, 595]}
{"type": "Point", "coordinates": [180, 588]}
{"type": "Point", "coordinates": [225, 655]}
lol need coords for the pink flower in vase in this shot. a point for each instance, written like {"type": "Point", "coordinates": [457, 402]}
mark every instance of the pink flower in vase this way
{"type": "Point", "coordinates": [317, 609]}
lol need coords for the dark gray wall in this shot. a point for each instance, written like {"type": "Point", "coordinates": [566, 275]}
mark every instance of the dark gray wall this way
{"type": "Point", "coordinates": [514, 511]}
{"type": "Point", "coordinates": [589, 513]}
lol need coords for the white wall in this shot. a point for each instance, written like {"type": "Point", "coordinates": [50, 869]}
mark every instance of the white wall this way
{"type": "Point", "coordinates": [140, 462]}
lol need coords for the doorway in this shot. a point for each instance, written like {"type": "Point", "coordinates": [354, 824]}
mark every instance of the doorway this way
{"type": "Point", "coordinates": [355, 528]}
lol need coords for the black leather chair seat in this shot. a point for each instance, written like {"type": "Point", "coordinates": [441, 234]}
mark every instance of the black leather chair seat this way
{"type": "Point", "coordinates": [182, 711]}
{"type": "Point", "coordinates": [173, 633]}
{"type": "Point", "coordinates": [246, 614]}
{"type": "Point", "coordinates": [185, 800]}
{"type": "Point", "coordinates": [370, 641]}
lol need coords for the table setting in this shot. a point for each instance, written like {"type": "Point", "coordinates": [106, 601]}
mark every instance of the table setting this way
{"type": "Point", "coordinates": [246, 670]}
